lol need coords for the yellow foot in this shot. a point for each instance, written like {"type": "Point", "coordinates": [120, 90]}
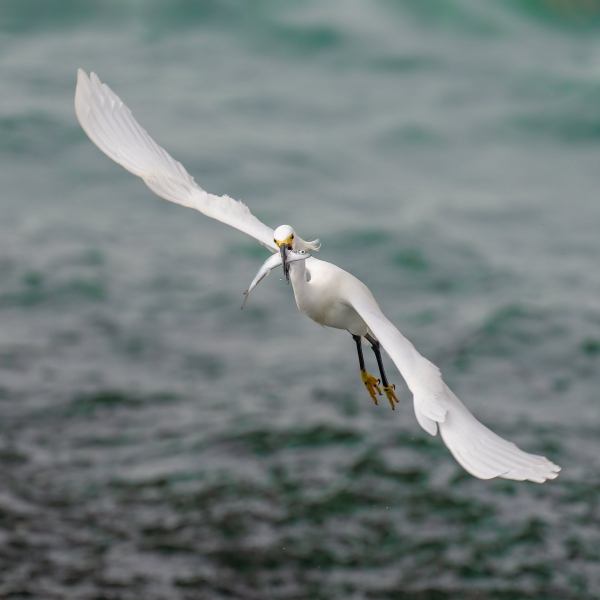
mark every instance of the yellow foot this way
{"type": "Point", "coordinates": [371, 383]}
{"type": "Point", "coordinates": [391, 395]}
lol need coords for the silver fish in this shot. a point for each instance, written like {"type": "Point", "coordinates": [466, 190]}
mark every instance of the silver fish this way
{"type": "Point", "coordinates": [273, 261]}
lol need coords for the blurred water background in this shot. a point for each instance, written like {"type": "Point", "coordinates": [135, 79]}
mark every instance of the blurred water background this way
{"type": "Point", "coordinates": [156, 442]}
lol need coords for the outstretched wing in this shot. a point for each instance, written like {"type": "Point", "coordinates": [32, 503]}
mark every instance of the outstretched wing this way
{"type": "Point", "coordinates": [478, 449]}
{"type": "Point", "coordinates": [111, 126]}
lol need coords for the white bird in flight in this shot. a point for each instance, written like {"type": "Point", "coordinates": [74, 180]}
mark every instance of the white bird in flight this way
{"type": "Point", "coordinates": [324, 292]}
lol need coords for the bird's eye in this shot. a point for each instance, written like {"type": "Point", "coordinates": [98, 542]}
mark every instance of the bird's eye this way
{"type": "Point", "coordinates": [292, 236]}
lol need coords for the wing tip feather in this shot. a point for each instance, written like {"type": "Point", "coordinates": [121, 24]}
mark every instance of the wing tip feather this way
{"type": "Point", "coordinates": [537, 471]}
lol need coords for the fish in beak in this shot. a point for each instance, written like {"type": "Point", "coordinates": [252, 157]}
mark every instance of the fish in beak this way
{"type": "Point", "coordinates": [274, 261]}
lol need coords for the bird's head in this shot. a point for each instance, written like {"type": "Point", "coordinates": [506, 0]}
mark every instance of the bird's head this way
{"type": "Point", "coordinates": [285, 235]}
{"type": "Point", "coordinates": [285, 239]}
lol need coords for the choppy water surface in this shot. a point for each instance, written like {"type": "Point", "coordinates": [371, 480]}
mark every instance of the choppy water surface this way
{"type": "Point", "coordinates": [156, 442]}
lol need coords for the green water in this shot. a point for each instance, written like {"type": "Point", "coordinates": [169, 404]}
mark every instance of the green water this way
{"type": "Point", "coordinates": [156, 442]}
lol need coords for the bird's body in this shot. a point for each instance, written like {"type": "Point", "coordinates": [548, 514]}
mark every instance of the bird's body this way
{"type": "Point", "coordinates": [325, 293]}
{"type": "Point", "coordinates": [333, 297]}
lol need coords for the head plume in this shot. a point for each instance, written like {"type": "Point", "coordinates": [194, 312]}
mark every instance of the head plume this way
{"type": "Point", "coordinates": [304, 245]}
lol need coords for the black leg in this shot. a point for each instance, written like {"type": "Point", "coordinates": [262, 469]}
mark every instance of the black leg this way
{"type": "Point", "coordinates": [361, 359]}
{"type": "Point", "coordinates": [377, 350]}
{"type": "Point", "coordinates": [387, 388]}
{"type": "Point", "coordinates": [371, 383]}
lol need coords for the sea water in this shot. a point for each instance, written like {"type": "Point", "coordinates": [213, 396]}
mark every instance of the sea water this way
{"type": "Point", "coordinates": [156, 442]}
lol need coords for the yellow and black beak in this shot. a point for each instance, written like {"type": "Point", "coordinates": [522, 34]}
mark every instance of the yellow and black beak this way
{"type": "Point", "coordinates": [284, 246]}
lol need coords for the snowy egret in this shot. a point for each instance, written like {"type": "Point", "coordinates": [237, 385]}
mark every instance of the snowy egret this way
{"type": "Point", "coordinates": [324, 292]}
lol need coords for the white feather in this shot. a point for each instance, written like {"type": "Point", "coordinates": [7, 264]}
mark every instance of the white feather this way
{"type": "Point", "coordinates": [478, 449]}
{"type": "Point", "coordinates": [111, 126]}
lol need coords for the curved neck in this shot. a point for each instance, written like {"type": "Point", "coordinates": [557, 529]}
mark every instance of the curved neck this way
{"type": "Point", "coordinates": [298, 275]}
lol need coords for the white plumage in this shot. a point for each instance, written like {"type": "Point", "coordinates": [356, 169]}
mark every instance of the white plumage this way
{"type": "Point", "coordinates": [332, 297]}
{"type": "Point", "coordinates": [111, 126]}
